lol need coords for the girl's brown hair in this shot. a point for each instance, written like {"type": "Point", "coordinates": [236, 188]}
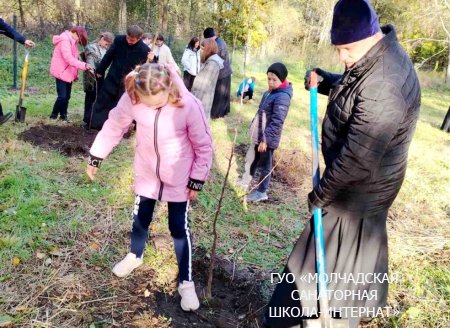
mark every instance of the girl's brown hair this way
{"type": "Point", "coordinates": [209, 48]}
{"type": "Point", "coordinates": [151, 79]}
{"type": "Point", "coordinates": [82, 34]}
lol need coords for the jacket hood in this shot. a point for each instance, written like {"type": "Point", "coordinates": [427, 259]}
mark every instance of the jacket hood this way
{"type": "Point", "coordinates": [288, 90]}
{"type": "Point", "coordinates": [63, 36]}
{"type": "Point", "coordinates": [216, 58]}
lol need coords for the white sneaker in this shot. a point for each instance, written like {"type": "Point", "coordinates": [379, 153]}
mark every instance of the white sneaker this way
{"type": "Point", "coordinates": [127, 265]}
{"type": "Point", "coordinates": [189, 299]}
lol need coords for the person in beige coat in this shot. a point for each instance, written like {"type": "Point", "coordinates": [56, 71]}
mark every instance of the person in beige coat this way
{"type": "Point", "coordinates": [163, 55]}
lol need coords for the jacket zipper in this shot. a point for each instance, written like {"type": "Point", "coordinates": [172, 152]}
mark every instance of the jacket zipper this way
{"type": "Point", "coordinates": [158, 157]}
{"type": "Point", "coordinates": [63, 70]}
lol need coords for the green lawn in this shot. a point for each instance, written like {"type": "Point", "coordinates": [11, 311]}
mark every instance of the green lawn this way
{"type": "Point", "coordinates": [47, 204]}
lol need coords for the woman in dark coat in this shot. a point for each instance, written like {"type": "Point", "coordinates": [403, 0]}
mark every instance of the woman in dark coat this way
{"type": "Point", "coordinates": [221, 103]}
{"type": "Point", "coordinates": [370, 120]}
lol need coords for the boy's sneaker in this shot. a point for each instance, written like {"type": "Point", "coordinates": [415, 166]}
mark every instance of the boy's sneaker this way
{"type": "Point", "coordinates": [127, 265]}
{"type": "Point", "coordinates": [256, 196]}
{"type": "Point", "coordinates": [189, 299]}
{"type": "Point", "coordinates": [4, 118]}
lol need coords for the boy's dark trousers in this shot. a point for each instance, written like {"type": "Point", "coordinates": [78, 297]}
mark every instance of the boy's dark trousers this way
{"type": "Point", "coordinates": [248, 94]}
{"type": "Point", "coordinates": [263, 161]}
{"type": "Point", "coordinates": [178, 226]}
{"type": "Point", "coordinates": [63, 90]}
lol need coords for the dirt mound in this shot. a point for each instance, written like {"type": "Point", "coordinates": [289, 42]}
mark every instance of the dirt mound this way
{"type": "Point", "coordinates": [70, 140]}
{"type": "Point", "coordinates": [293, 167]}
{"type": "Point", "coordinates": [237, 299]}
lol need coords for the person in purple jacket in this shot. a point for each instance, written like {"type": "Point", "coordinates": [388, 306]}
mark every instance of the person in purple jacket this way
{"type": "Point", "coordinates": [172, 161]}
{"type": "Point", "coordinates": [12, 34]}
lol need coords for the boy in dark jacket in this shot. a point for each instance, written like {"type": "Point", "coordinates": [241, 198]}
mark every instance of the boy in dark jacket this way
{"type": "Point", "coordinates": [12, 34]}
{"type": "Point", "coordinates": [266, 130]}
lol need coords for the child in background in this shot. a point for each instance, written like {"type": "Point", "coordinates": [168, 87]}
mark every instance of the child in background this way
{"type": "Point", "coordinates": [266, 130]}
{"type": "Point", "coordinates": [172, 160]}
{"type": "Point", "coordinates": [246, 87]}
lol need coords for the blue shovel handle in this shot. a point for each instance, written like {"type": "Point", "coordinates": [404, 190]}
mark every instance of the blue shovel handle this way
{"type": "Point", "coordinates": [318, 223]}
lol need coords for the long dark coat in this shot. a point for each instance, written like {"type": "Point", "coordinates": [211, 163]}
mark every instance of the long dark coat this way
{"type": "Point", "coordinates": [123, 58]}
{"type": "Point", "coordinates": [221, 102]}
{"type": "Point", "coordinates": [370, 120]}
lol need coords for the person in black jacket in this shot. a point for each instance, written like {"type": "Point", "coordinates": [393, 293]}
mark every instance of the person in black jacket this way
{"type": "Point", "coordinates": [266, 130]}
{"type": "Point", "coordinates": [126, 52]}
{"type": "Point", "coordinates": [366, 133]}
{"type": "Point", "coordinates": [12, 34]}
{"type": "Point", "coordinates": [221, 102]}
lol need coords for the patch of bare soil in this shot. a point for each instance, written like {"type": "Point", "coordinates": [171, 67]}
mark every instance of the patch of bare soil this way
{"type": "Point", "coordinates": [70, 140]}
{"type": "Point", "coordinates": [237, 299]}
{"type": "Point", "coordinates": [70, 284]}
{"type": "Point", "coordinates": [290, 177]}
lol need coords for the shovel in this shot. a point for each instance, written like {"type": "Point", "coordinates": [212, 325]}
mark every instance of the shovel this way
{"type": "Point", "coordinates": [324, 319]}
{"type": "Point", "coordinates": [20, 110]}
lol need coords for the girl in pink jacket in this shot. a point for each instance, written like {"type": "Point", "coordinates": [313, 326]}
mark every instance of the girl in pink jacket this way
{"type": "Point", "coordinates": [65, 65]}
{"type": "Point", "coordinates": [172, 160]}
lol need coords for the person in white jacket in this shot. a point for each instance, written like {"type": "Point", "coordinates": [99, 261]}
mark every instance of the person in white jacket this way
{"type": "Point", "coordinates": [191, 62]}
{"type": "Point", "coordinates": [163, 55]}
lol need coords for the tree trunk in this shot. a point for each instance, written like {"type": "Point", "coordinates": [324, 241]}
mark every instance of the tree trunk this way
{"type": "Point", "coordinates": [78, 13]}
{"type": "Point", "coordinates": [447, 76]}
{"type": "Point", "coordinates": [22, 15]}
{"type": "Point", "coordinates": [122, 16]}
{"type": "Point", "coordinates": [165, 16]}
{"type": "Point", "coordinates": [163, 6]}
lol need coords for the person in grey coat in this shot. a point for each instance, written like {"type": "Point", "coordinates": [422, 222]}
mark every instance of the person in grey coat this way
{"type": "Point", "coordinates": [93, 54]}
{"type": "Point", "coordinates": [366, 133]}
{"type": "Point", "coordinates": [205, 81]}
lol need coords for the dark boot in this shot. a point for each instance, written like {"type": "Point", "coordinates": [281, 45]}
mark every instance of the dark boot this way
{"type": "Point", "coordinates": [4, 118]}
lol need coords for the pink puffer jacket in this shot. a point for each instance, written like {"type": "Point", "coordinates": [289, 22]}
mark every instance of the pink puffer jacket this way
{"type": "Point", "coordinates": [65, 63]}
{"type": "Point", "coordinates": [173, 145]}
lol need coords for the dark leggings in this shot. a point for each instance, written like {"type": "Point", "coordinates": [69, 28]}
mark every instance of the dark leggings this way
{"type": "Point", "coordinates": [178, 226]}
{"type": "Point", "coordinates": [64, 89]}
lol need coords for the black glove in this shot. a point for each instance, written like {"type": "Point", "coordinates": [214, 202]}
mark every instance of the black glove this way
{"type": "Point", "coordinates": [319, 73]}
{"type": "Point", "coordinates": [311, 206]}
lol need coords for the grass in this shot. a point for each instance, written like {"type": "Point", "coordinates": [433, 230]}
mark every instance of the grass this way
{"type": "Point", "coordinates": [48, 205]}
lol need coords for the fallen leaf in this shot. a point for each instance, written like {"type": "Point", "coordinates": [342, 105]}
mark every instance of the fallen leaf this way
{"type": "Point", "coordinates": [48, 261]}
{"type": "Point", "coordinates": [56, 253]}
{"type": "Point", "coordinates": [231, 250]}
{"type": "Point", "coordinates": [21, 308]}
{"type": "Point", "coordinates": [277, 244]}
{"type": "Point", "coordinates": [94, 246]}
{"type": "Point", "coordinates": [15, 261]}
{"type": "Point", "coordinates": [40, 255]}
{"type": "Point", "coordinates": [146, 293]}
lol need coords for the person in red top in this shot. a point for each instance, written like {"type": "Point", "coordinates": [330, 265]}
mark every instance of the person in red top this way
{"type": "Point", "coordinates": [65, 65]}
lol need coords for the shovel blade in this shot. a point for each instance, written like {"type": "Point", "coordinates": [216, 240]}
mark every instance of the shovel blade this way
{"type": "Point", "coordinates": [20, 114]}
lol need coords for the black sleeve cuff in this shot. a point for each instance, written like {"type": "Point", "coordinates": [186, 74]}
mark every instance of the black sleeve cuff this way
{"type": "Point", "coordinates": [196, 185]}
{"type": "Point", "coordinates": [94, 161]}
